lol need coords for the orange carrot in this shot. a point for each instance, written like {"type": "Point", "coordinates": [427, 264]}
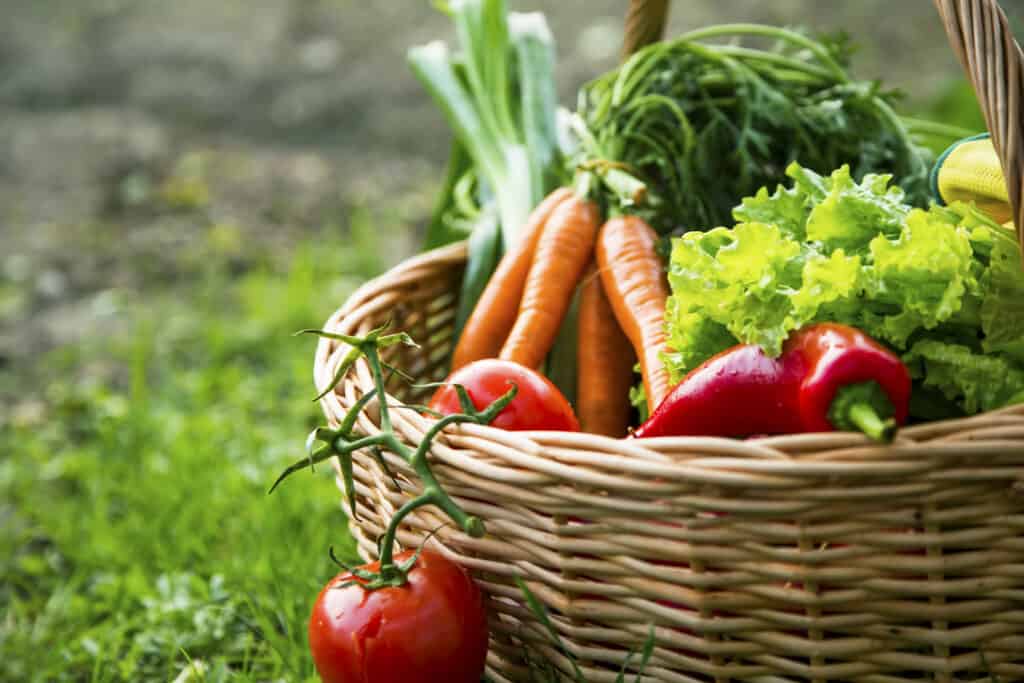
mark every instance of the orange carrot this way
{"type": "Point", "coordinates": [604, 361]}
{"type": "Point", "coordinates": [635, 285]}
{"type": "Point", "coordinates": [495, 313]}
{"type": "Point", "coordinates": [563, 252]}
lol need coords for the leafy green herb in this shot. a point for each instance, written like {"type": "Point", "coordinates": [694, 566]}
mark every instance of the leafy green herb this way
{"type": "Point", "coordinates": [944, 285]}
{"type": "Point", "coordinates": [683, 129]}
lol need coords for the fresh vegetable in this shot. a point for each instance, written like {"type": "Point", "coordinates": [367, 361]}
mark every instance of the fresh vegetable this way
{"type": "Point", "coordinates": [433, 628]}
{"type": "Point", "coordinates": [683, 129]}
{"type": "Point", "coordinates": [828, 377]}
{"type": "Point", "coordinates": [495, 312]}
{"type": "Point", "coordinates": [342, 441]}
{"type": "Point", "coordinates": [561, 364]}
{"type": "Point", "coordinates": [606, 362]}
{"type": "Point", "coordinates": [929, 284]}
{"type": "Point", "coordinates": [978, 382]}
{"type": "Point", "coordinates": [498, 94]}
{"type": "Point", "coordinates": [970, 171]}
{"type": "Point", "coordinates": [562, 254]}
{"type": "Point", "coordinates": [634, 282]}
{"type": "Point", "coordinates": [538, 404]}
{"type": "Point", "coordinates": [410, 617]}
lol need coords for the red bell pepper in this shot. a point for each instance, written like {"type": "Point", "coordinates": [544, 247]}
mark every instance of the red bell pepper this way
{"type": "Point", "coordinates": [828, 377]}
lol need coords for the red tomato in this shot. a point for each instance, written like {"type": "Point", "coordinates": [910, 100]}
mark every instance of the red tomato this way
{"type": "Point", "coordinates": [434, 628]}
{"type": "Point", "coordinates": [538, 404]}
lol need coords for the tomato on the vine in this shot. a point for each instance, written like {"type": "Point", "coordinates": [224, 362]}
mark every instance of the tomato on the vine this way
{"type": "Point", "coordinates": [538, 404]}
{"type": "Point", "coordinates": [432, 628]}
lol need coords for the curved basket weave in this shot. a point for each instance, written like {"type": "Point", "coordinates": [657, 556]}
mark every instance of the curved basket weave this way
{"type": "Point", "coordinates": [815, 558]}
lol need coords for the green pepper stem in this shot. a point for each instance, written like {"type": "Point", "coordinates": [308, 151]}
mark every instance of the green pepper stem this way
{"type": "Point", "coordinates": [864, 407]}
{"type": "Point", "coordinates": [867, 420]}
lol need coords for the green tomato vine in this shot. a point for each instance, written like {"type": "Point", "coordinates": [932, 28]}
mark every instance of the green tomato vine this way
{"type": "Point", "coordinates": [342, 442]}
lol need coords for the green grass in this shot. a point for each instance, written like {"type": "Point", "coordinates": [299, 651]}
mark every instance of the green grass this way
{"type": "Point", "coordinates": [137, 532]}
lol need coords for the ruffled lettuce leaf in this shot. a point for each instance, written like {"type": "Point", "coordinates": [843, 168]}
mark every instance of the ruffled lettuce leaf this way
{"type": "Point", "coordinates": [943, 285]}
{"type": "Point", "coordinates": [851, 214]}
{"type": "Point", "coordinates": [692, 340]}
{"type": "Point", "coordinates": [638, 399]}
{"type": "Point", "coordinates": [730, 284]}
{"type": "Point", "coordinates": [976, 382]}
{"type": "Point", "coordinates": [834, 209]}
{"type": "Point", "coordinates": [813, 187]}
{"type": "Point", "coordinates": [863, 258]}
{"type": "Point", "coordinates": [786, 208]}
{"type": "Point", "coordinates": [830, 287]}
{"type": "Point", "coordinates": [923, 274]}
{"type": "Point", "coordinates": [1002, 306]}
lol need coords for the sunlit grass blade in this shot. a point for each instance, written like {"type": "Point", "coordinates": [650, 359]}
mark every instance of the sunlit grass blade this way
{"type": "Point", "coordinates": [541, 613]}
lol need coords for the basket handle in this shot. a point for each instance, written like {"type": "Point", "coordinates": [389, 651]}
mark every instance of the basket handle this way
{"type": "Point", "coordinates": [645, 24]}
{"type": "Point", "coordinates": [981, 37]}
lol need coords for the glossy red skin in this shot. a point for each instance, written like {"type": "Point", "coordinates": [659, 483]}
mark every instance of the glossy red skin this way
{"type": "Point", "coordinates": [741, 391]}
{"type": "Point", "coordinates": [738, 392]}
{"type": "Point", "coordinates": [538, 404]}
{"type": "Point", "coordinates": [432, 629]}
{"type": "Point", "coordinates": [838, 355]}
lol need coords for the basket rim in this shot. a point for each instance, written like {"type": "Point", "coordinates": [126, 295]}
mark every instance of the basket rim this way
{"type": "Point", "coordinates": [790, 447]}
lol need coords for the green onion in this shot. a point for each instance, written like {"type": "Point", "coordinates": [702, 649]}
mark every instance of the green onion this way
{"type": "Point", "coordinates": [506, 60]}
{"type": "Point", "coordinates": [498, 94]}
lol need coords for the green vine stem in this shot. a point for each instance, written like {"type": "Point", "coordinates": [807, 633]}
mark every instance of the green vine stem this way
{"type": "Point", "coordinates": [343, 441]}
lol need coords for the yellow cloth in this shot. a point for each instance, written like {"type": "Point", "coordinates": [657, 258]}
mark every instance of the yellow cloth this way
{"type": "Point", "coordinates": [970, 171]}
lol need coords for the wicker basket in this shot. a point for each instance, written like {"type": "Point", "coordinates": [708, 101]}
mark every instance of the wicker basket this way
{"type": "Point", "coordinates": [816, 557]}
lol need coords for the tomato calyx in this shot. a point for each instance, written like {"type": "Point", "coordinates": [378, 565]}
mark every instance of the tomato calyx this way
{"type": "Point", "coordinates": [343, 441]}
{"type": "Point", "coordinates": [393, 575]}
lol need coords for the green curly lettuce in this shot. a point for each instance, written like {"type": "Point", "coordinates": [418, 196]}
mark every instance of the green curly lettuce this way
{"type": "Point", "coordinates": [1002, 307]}
{"type": "Point", "coordinates": [976, 382]}
{"type": "Point", "coordinates": [638, 399]}
{"type": "Point", "coordinates": [852, 214]}
{"type": "Point", "coordinates": [923, 276]}
{"type": "Point", "coordinates": [829, 248]}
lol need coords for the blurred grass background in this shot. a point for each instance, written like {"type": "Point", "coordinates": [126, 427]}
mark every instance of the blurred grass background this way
{"type": "Point", "coordinates": [182, 185]}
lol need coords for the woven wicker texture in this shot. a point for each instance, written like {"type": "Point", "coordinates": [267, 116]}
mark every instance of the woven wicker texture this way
{"type": "Point", "coordinates": [645, 24]}
{"type": "Point", "coordinates": [799, 558]}
{"type": "Point", "coordinates": [805, 558]}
